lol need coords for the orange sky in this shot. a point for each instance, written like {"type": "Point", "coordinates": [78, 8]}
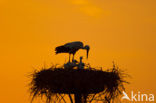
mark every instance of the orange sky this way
{"type": "Point", "coordinates": [119, 30]}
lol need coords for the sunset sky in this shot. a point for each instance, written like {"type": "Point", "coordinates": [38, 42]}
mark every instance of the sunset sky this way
{"type": "Point", "coordinates": [123, 31]}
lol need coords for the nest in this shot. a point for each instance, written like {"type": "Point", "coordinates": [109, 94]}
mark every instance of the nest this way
{"type": "Point", "coordinates": [90, 81]}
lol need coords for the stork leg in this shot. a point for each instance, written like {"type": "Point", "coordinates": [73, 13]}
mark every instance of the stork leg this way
{"type": "Point", "coordinates": [69, 58]}
{"type": "Point", "coordinates": [73, 57]}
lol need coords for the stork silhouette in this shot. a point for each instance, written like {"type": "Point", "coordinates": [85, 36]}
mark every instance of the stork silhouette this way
{"type": "Point", "coordinates": [72, 48]}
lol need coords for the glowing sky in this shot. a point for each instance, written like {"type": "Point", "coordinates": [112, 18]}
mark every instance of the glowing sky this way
{"type": "Point", "coordinates": [119, 30]}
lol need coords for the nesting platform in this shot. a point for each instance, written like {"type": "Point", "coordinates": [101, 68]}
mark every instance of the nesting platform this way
{"type": "Point", "coordinates": [76, 81]}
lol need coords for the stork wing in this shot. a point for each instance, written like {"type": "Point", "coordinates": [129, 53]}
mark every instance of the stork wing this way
{"type": "Point", "coordinates": [62, 49]}
{"type": "Point", "coordinates": [76, 44]}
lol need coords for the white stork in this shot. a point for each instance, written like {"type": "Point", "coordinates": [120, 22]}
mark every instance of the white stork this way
{"type": "Point", "coordinates": [72, 48]}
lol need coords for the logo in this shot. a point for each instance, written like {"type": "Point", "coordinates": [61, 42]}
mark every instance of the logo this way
{"type": "Point", "coordinates": [138, 97]}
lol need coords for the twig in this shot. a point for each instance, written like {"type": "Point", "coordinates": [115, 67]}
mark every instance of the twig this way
{"type": "Point", "coordinates": [71, 100]}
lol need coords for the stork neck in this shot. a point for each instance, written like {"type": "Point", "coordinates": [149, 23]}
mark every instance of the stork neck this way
{"type": "Point", "coordinates": [83, 47]}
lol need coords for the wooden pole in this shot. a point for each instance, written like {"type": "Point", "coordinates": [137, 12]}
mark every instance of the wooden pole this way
{"type": "Point", "coordinates": [71, 100]}
{"type": "Point", "coordinates": [78, 98]}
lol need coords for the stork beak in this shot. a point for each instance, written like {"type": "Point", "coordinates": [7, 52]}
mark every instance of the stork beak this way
{"type": "Point", "coordinates": [87, 53]}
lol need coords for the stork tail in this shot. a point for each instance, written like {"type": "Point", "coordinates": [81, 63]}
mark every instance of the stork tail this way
{"type": "Point", "coordinates": [61, 49]}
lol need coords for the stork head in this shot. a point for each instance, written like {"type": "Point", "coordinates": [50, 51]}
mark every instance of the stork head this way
{"type": "Point", "coordinates": [87, 49]}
